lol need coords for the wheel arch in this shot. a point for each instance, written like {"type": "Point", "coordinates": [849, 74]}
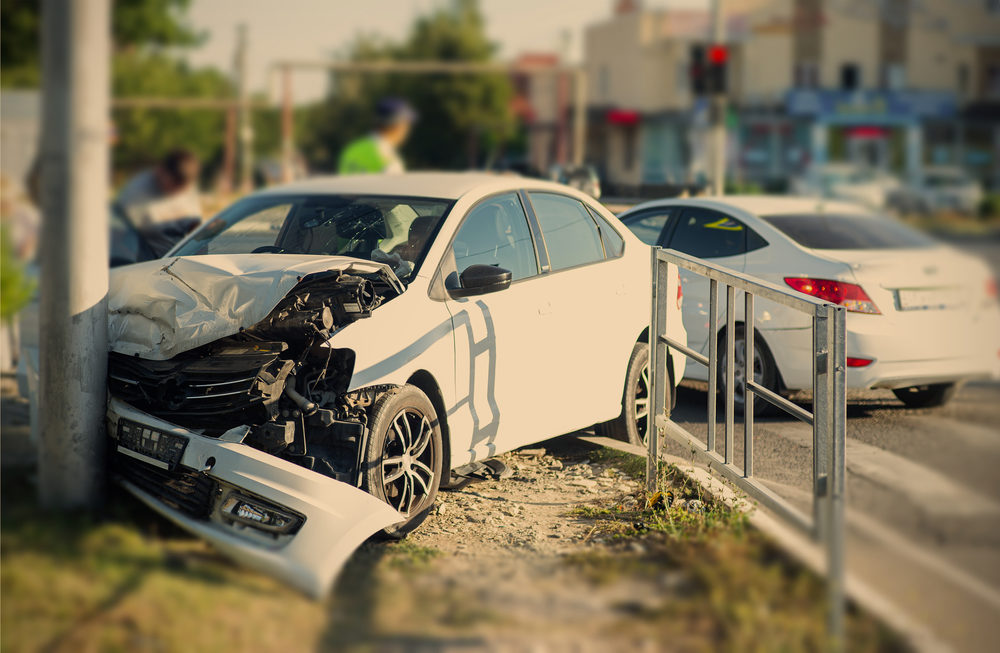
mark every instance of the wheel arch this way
{"type": "Point", "coordinates": [427, 384]}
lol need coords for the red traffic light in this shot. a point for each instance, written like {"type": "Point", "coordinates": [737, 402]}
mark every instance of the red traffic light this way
{"type": "Point", "coordinates": [718, 54]}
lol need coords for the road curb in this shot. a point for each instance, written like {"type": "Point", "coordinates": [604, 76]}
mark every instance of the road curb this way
{"type": "Point", "coordinates": [915, 634]}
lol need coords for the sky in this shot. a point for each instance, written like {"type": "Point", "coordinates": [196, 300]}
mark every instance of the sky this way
{"type": "Point", "coordinates": [320, 29]}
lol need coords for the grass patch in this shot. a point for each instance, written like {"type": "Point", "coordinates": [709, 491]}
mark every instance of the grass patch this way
{"type": "Point", "coordinates": [629, 464]}
{"type": "Point", "coordinates": [406, 555]}
{"type": "Point", "coordinates": [726, 580]}
{"type": "Point", "coordinates": [130, 581]}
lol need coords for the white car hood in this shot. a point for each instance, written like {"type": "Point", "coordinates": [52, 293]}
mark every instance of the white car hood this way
{"type": "Point", "coordinates": [161, 308]}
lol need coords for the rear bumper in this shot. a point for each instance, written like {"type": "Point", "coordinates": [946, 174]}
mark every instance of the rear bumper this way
{"type": "Point", "coordinates": [338, 517]}
{"type": "Point", "coordinates": [899, 360]}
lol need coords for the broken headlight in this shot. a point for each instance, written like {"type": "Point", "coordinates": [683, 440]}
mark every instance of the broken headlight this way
{"type": "Point", "coordinates": [260, 514]}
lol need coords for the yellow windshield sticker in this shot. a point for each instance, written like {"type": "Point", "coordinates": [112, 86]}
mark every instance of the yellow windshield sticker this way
{"type": "Point", "coordinates": [726, 224]}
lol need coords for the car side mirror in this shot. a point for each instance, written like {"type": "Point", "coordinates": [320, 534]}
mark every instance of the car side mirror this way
{"type": "Point", "coordinates": [482, 279]}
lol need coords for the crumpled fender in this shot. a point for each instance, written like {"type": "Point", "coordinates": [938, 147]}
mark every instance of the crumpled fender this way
{"type": "Point", "coordinates": [158, 309]}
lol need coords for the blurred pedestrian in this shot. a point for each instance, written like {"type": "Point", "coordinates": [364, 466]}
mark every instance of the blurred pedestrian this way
{"type": "Point", "coordinates": [379, 151]}
{"type": "Point", "coordinates": [163, 202]}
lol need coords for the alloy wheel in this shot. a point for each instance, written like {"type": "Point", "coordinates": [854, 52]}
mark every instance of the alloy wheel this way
{"type": "Point", "coordinates": [642, 403]}
{"type": "Point", "coordinates": [407, 461]}
{"type": "Point", "coordinates": [739, 369]}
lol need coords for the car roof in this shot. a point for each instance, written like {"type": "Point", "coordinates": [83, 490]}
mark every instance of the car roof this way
{"type": "Point", "coordinates": [443, 185]}
{"type": "Point", "coordinates": [767, 204]}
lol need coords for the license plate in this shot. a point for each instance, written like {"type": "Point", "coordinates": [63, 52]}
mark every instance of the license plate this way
{"type": "Point", "coordinates": [916, 299]}
{"type": "Point", "coordinates": [158, 448]}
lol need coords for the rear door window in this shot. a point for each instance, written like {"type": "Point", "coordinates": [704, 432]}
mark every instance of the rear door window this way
{"type": "Point", "coordinates": [826, 231]}
{"type": "Point", "coordinates": [614, 244]}
{"type": "Point", "coordinates": [706, 233]}
{"type": "Point", "coordinates": [570, 233]}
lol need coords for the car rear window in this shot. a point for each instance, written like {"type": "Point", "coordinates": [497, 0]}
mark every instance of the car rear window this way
{"type": "Point", "coordinates": [825, 231]}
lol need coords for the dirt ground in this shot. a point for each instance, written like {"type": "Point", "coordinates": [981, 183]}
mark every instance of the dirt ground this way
{"type": "Point", "coordinates": [562, 556]}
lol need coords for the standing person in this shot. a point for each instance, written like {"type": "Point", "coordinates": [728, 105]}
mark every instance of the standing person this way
{"type": "Point", "coordinates": [163, 202]}
{"type": "Point", "coordinates": [379, 151]}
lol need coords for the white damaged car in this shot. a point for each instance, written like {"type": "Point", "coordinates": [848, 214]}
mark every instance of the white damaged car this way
{"type": "Point", "coordinates": [311, 365]}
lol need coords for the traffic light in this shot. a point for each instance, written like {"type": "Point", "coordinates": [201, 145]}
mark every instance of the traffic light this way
{"type": "Point", "coordinates": [708, 69]}
{"type": "Point", "coordinates": [699, 70]}
{"type": "Point", "coordinates": [718, 57]}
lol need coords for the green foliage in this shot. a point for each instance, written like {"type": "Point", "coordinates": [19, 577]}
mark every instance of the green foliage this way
{"type": "Point", "coordinates": [461, 115]}
{"type": "Point", "coordinates": [16, 287]}
{"type": "Point", "coordinates": [146, 134]}
{"type": "Point", "coordinates": [19, 56]}
{"type": "Point", "coordinates": [989, 208]}
{"type": "Point", "coordinates": [134, 24]}
{"type": "Point", "coordinates": [137, 23]}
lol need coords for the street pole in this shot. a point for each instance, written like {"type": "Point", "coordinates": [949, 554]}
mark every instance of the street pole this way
{"type": "Point", "coordinates": [718, 109]}
{"type": "Point", "coordinates": [580, 116]}
{"type": "Point", "coordinates": [74, 251]}
{"type": "Point", "coordinates": [246, 129]}
{"type": "Point", "coordinates": [287, 125]}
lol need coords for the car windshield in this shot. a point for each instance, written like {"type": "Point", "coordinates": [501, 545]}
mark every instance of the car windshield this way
{"type": "Point", "coordinates": [385, 229]}
{"type": "Point", "coordinates": [825, 231]}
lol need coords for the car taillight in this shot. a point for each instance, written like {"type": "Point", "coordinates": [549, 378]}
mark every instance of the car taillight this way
{"type": "Point", "coordinates": [680, 293]}
{"type": "Point", "coordinates": [991, 288]}
{"type": "Point", "coordinates": [849, 295]}
{"type": "Point", "coordinates": [858, 362]}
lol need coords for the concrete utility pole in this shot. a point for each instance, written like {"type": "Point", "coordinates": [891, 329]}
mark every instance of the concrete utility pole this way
{"type": "Point", "coordinates": [246, 129]}
{"type": "Point", "coordinates": [718, 109]}
{"type": "Point", "coordinates": [74, 251]}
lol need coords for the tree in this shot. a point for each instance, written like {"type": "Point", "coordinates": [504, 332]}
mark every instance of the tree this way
{"type": "Point", "coordinates": [134, 24]}
{"type": "Point", "coordinates": [467, 109]}
{"type": "Point", "coordinates": [145, 135]}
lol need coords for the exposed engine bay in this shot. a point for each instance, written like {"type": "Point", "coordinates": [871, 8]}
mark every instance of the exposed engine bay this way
{"type": "Point", "coordinates": [278, 377]}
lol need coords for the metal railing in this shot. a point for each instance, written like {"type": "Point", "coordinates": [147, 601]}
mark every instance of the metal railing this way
{"type": "Point", "coordinates": [828, 417]}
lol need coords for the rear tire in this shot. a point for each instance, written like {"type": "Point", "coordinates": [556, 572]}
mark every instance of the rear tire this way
{"type": "Point", "coordinates": [632, 424]}
{"type": "Point", "coordinates": [765, 372]}
{"type": "Point", "coordinates": [926, 396]}
{"type": "Point", "coordinates": [403, 456]}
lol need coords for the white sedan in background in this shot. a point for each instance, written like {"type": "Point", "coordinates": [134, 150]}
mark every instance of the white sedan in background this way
{"type": "Point", "coordinates": [868, 186]}
{"type": "Point", "coordinates": [312, 364]}
{"type": "Point", "coordinates": [922, 317]}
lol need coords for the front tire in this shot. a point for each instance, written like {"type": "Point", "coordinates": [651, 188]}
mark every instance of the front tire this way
{"type": "Point", "coordinates": [403, 456]}
{"type": "Point", "coordinates": [632, 424]}
{"type": "Point", "coordinates": [926, 396]}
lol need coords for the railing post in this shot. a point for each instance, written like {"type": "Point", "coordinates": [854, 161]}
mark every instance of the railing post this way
{"type": "Point", "coordinates": [837, 473]}
{"type": "Point", "coordinates": [655, 401]}
{"type": "Point", "coordinates": [821, 412]}
{"type": "Point", "coordinates": [748, 396]}
{"type": "Point", "coordinates": [730, 369]}
{"type": "Point", "coordinates": [713, 361]}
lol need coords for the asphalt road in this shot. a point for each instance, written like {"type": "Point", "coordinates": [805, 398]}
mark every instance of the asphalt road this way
{"type": "Point", "coordinates": [923, 494]}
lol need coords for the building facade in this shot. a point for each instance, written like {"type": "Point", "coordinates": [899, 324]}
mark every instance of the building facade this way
{"type": "Point", "coordinates": [894, 85]}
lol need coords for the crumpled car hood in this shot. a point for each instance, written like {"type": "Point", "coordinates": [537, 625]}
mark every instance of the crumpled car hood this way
{"type": "Point", "coordinates": [161, 308]}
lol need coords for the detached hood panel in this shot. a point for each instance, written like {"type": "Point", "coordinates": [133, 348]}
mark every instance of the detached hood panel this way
{"type": "Point", "coordinates": [161, 308]}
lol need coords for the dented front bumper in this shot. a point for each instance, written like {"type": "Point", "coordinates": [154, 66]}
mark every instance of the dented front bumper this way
{"type": "Point", "coordinates": [333, 517]}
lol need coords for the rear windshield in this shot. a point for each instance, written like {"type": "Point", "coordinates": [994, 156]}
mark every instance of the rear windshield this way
{"type": "Point", "coordinates": [825, 231]}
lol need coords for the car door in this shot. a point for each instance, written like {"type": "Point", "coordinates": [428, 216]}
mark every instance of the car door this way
{"type": "Point", "coordinates": [587, 324]}
{"type": "Point", "coordinates": [719, 238]}
{"type": "Point", "coordinates": [499, 359]}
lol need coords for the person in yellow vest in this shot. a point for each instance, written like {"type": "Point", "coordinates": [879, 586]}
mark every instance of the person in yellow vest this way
{"type": "Point", "coordinates": [379, 151]}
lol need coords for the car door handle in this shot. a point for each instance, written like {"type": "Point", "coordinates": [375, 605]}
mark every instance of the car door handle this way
{"type": "Point", "coordinates": [621, 290]}
{"type": "Point", "coordinates": [545, 308]}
